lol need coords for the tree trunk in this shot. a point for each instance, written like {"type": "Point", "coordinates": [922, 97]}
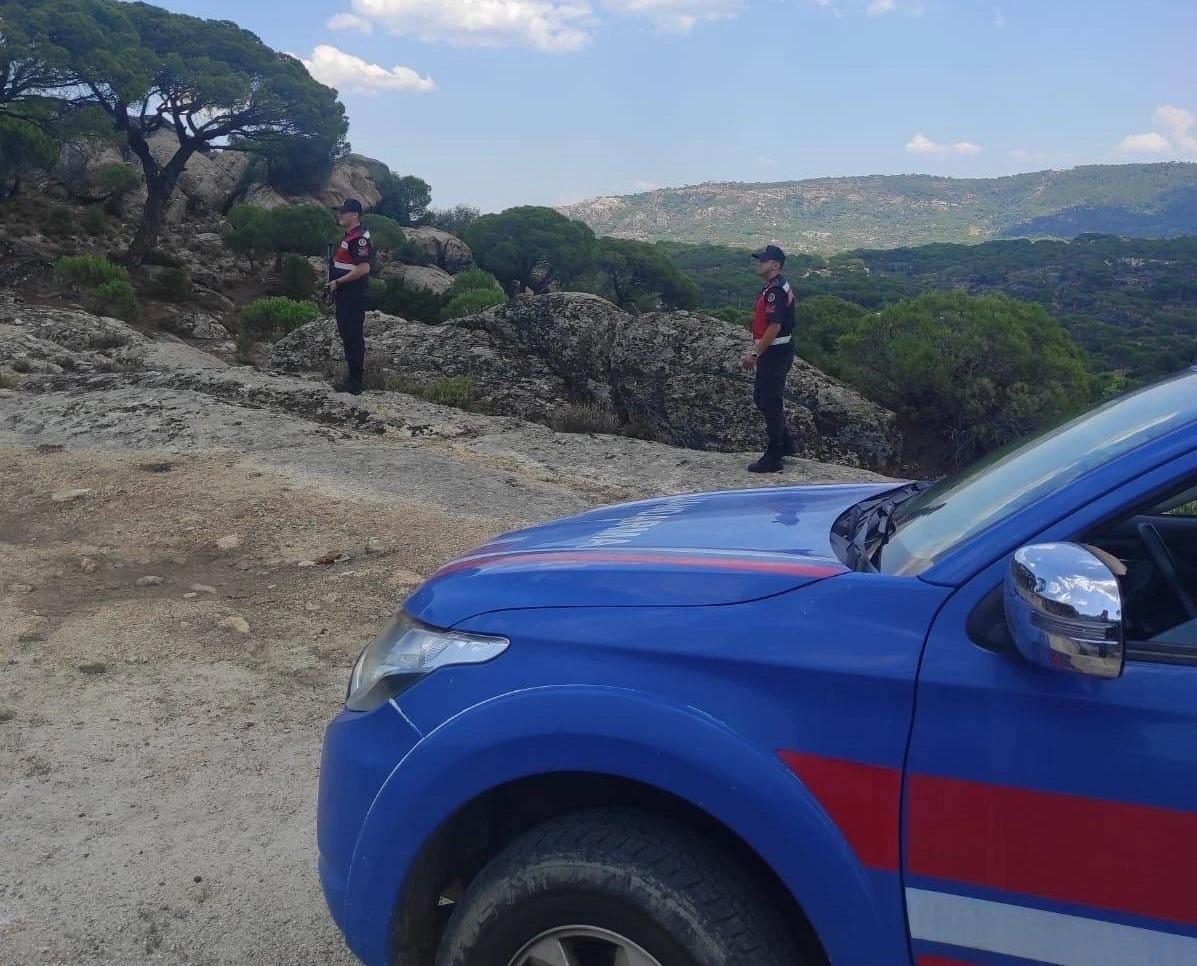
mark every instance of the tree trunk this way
{"type": "Point", "coordinates": [159, 185]}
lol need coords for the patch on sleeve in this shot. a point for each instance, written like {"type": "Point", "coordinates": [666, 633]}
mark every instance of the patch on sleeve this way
{"type": "Point", "coordinates": [771, 297]}
{"type": "Point", "coordinates": [362, 244]}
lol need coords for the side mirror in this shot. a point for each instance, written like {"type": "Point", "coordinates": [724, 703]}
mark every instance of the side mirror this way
{"type": "Point", "coordinates": [1064, 608]}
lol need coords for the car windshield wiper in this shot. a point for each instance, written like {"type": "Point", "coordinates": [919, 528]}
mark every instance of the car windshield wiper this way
{"type": "Point", "coordinates": [868, 525]}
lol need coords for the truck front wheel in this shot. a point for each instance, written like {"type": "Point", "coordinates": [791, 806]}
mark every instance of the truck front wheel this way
{"type": "Point", "coordinates": [614, 888]}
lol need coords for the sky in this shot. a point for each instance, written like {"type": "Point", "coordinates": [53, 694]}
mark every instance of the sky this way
{"type": "Point", "coordinates": [498, 103]}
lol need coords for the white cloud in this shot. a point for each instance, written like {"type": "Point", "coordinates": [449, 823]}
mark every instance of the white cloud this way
{"type": "Point", "coordinates": [879, 7]}
{"type": "Point", "coordinates": [553, 26]}
{"type": "Point", "coordinates": [924, 145]}
{"type": "Point", "coordinates": [771, 162]}
{"type": "Point", "coordinates": [999, 19]}
{"type": "Point", "coordinates": [346, 72]}
{"type": "Point", "coordinates": [1179, 138]}
{"type": "Point", "coordinates": [1152, 143]}
{"type": "Point", "coordinates": [349, 21]}
{"type": "Point", "coordinates": [676, 16]}
{"type": "Point", "coordinates": [1179, 124]}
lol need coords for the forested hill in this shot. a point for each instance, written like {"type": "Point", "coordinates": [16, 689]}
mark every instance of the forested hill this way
{"type": "Point", "coordinates": [1131, 303]}
{"type": "Point", "coordinates": [888, 211]}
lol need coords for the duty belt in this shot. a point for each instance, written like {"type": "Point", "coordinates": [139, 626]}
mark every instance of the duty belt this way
{"type": "Point", "coordinates": [782, 341]}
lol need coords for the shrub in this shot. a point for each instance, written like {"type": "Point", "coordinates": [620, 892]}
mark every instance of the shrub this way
{"type": "Point", "coordinates": [114, 298]}
{"type": "Point", "coordinates": [472, 302]}
{"type": "Point", "coordinates": [85, 271]}
{"type": "Point", "coordinates": [59, 220]}
{"type": "Point", "coordinates": [117, 180]}
{"type": "Point", "coordinates": [386, 234]}
{"type": "Point", "coordinates": [455, 391]}
{"type": "Point", "coordinates": [415, 305]}
{"type": "Point", "coordinates": [269, 319]}
{"type": "Point", "coordinates": [93, 221]}
{"type": "Point", "coordinates": [408, 252]}
{"type": "Point", "coordinates": [297, 280]}
{"type": "Point", "coordinates": [172, 284]}
{"type": "Point", "coordinates": [472, 280]}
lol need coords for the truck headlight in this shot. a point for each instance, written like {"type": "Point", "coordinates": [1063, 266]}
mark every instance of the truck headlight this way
{"type": "Point", "coordinates": [405, 651]}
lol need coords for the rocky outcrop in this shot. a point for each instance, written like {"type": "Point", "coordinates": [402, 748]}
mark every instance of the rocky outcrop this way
{"type": "Point", "coordinates": [443, 250]}
{"type": "Point", "coordinates": [351, 178]}
{"type": "Point", "coordinates": [41, 340]}
{"type": "Point", "coordinates": [21, 263]}
{"type": "Point", "coordinates": [179, 401]}
{"type": "Point", "coordinates": [671, 376]}
{"type": "Point", "coordinates": [199, 325]}
{"type": "Point", "coordinates": [426, 278]}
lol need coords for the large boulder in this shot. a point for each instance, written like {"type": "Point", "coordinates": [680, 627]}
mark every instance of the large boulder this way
{"type": "Point", "coordinates": [443, 250]}
{"type": "Point", "coordinates": [39, 339]}
{"type": "Point", "coordinates": [20, 263]}
{"type": "Point", "coordinates": [351, 178]}
{"type": "Point", "coordinates": [425, 277]}
{"type": "Point", "coordinates": [675, 376]}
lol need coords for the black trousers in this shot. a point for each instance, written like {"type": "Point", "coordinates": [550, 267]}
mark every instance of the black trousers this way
{"type": "Point", "coordinates": [351, 324]}
{"type": "Point", "coordinates": [771, 370]}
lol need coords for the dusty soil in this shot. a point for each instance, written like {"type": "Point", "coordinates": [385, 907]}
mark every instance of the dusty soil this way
{"type": "Point", "coordinates": [159, 744]}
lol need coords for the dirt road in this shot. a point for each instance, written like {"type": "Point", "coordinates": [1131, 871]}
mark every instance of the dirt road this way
{"type": "Point", "coordinates": [168, 665]}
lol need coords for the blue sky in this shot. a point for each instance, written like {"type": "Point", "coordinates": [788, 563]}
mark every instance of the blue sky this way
{"type": "Point", "coordinates": [504, 102]}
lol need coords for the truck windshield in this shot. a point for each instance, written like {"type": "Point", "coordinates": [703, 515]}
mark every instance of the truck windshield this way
{"type": "Point", "coordinates": [938, 519]}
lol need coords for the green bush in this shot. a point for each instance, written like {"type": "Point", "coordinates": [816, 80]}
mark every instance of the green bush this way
{"type": "Point", "coordinates": [456, 391]}
{"type": "Point", "coordinates": [297, 280]}
{"type": "Point", "coordinates": [93, 221]}
{"type": "Point", "coordinates": [172, 284]}
{"type": "Point", "coordinates": [415, 305]}
{"type": "Point", "coordinates": [117, 180]}
{"type": "Point", "coordinates": [59, 220]}
{"type": "Point", "coordinates": [85, 271]}
{"type": "Point", "coordinates": [472, 302]}
{"type": "Point", "coordinates": [386, 234]}
{"type": "Point", "coordinates": [270, 319]}
{"type": "Point", "coordinates": [114, 298]}
{"type": "Point", "coordinates": [472, 280]}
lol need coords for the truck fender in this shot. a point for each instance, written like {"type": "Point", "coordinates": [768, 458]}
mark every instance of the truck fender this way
{"type": "Point", "coordinates": [626, 734]}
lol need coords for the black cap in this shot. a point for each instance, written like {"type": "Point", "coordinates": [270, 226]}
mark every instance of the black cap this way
{"type": "Point", "coordinates": [771, 253]}
{"type": "Point", "coordinates": [351, 204]}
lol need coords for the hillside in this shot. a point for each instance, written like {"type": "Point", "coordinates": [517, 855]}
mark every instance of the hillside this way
{"type": "Point", "coordinates": [829, 215]}
{"type": "Point", "coordinates": [1131, 303]}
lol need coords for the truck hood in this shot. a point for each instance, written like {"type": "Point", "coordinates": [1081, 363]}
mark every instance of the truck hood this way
{"type": "Point", "coordinates": [690, 550]}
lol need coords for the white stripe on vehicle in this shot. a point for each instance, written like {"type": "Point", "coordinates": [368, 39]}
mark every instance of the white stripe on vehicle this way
{"type": "Point", "coordinates": [1040, 936]}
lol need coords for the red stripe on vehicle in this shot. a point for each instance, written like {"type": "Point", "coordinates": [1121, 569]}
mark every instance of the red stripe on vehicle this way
{"type": "Point", "coordinates": [862, 800]}
{"type": "Point", "coordinates": [640, 559]}
{"type": "Point", "coordinates": [1135, 859]}
{"type": "Point", "coordinates": [941, 961]}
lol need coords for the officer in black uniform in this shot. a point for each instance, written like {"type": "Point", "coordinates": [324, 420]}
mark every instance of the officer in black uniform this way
{"type": "Point", "coordinates": [772, 356]}
{"type": "Point", "coordinates": [349, 283]}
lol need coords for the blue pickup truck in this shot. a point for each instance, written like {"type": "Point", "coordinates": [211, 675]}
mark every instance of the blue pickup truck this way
{"type": "Point", "coordinates": [854, 725]}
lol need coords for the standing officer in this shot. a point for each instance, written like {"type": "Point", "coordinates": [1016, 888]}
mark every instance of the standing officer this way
{"type": "Point", "coordinates": [349, 282]}
{"type": "Point", "coordinates": [772, 356]}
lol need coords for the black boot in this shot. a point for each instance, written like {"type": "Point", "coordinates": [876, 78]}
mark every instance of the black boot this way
{"type": "Point", "coordinates": [770, 462]}
{"type": "Point", "coordinates": [351, 385]}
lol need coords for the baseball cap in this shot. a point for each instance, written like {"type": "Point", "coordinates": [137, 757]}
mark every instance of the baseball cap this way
{"type": "Point", "coordinates": [770, 253]}
{"type": "Point", "coordinates": [351, 204]}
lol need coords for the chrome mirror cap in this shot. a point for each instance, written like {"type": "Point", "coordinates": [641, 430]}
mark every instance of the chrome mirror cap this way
{"type": "Point", "coordinates": [1064, 608]}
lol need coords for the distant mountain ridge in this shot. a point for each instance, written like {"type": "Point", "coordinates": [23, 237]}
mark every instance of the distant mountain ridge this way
{"type": "Point", "coordinates": [829, 215]}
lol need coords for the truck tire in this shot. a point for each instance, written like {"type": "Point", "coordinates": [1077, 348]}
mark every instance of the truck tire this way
{"type": "Point", "coordinates": [614, 887]}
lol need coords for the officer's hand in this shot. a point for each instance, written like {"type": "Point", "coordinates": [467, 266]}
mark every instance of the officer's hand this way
{"type": "Point", "coordinates": [748, 362]}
